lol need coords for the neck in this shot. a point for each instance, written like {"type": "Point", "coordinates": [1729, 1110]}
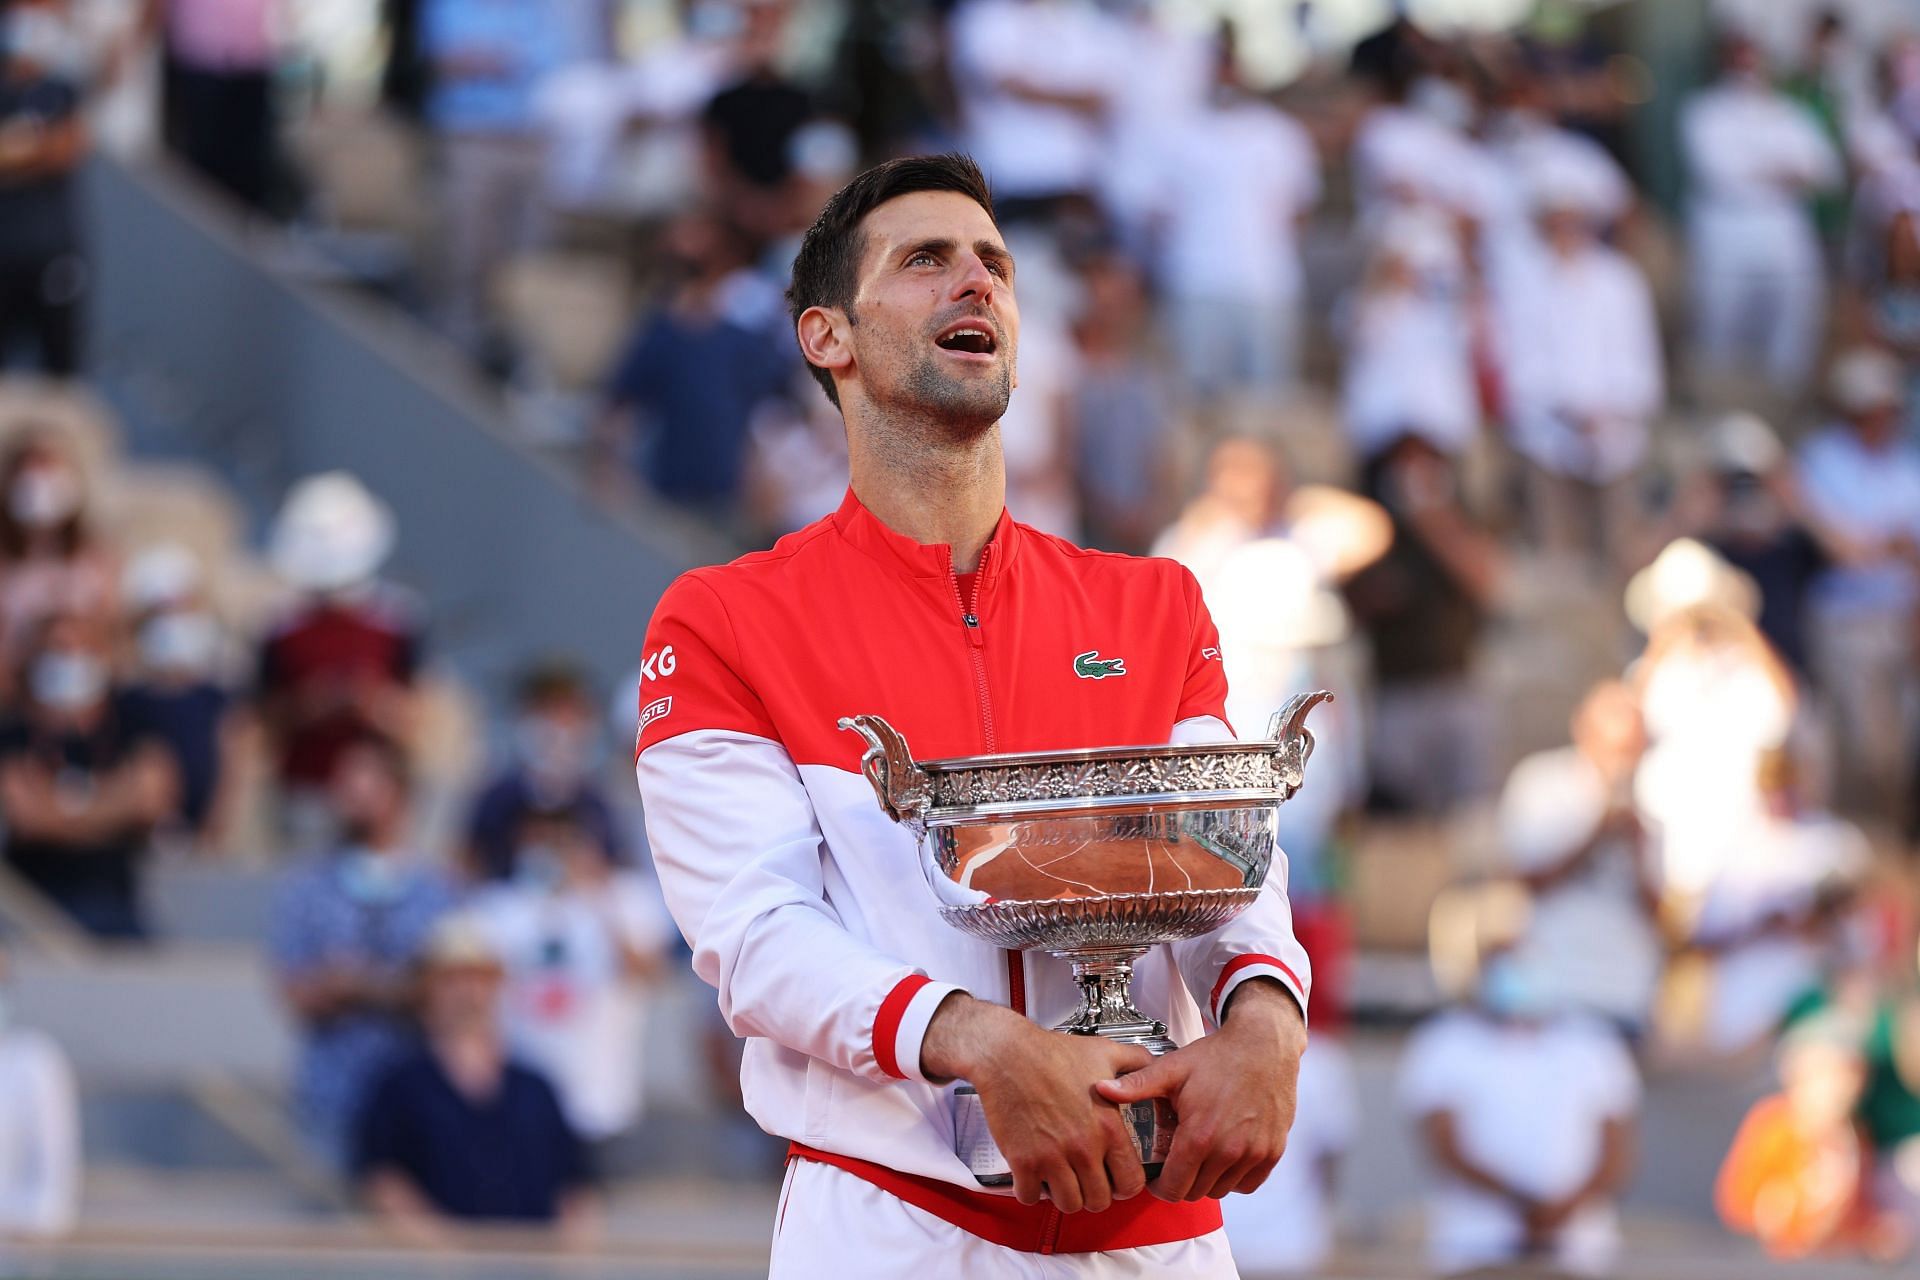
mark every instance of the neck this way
{"type": "Point", "coordinates": [951, 493]}
{"type": "Point", "coordinates": [472, 1059]}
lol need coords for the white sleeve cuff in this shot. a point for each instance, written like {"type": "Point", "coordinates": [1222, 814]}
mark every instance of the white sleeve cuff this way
{"type": "Point", "coordinates": [902, 1022]}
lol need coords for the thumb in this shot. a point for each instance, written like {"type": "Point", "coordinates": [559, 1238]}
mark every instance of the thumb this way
{"type": "Point", "coordinates": [1160, 1078]}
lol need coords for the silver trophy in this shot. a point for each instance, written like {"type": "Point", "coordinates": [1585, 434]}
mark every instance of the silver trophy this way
{"type": "Point", "coordinates": [1092, 856]}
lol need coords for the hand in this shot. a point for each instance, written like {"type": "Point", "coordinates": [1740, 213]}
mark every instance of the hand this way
{"type": "Point", "coordinates": [1037, 1089]}
{"type": "Point", "coordinates": [1234, 1094]}
{"type": "Point", "coordinates": [1545, 1218]}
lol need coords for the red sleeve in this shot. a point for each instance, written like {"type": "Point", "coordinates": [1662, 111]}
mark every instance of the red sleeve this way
{"type": "Point", "coordinates": [1205, 691]}
{"type": "Point", "coordinates": [690, 671]}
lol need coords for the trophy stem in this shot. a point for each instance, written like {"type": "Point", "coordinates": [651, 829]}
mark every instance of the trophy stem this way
{"type": "Point", "coordinates": [1106, 1003]}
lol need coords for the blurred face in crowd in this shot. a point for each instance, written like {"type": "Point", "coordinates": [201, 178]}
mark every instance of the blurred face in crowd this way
{"type": "Point", "coordinates": [558, 739]}
{"type": "Point", "coordinates": [369, 796]}
{"type": "Point", "coordinates": [1822, 1082]}
{"type": "Point", "coordinates": [1247, 478]}
{"type": "Point", "coordinates": [71, 673]}
{"type": "Point", "coordinates": [1608, 729]}
{"type": "Point", "coordinates": [932, 332]}
{"type": "Point", "coordinates": [1740, 59]}
{"type": "Point", "coordinates": [559, 853]}
{"type": "Point", "coordinates": [461, 997]}
{"type": "Point", "coordinates": [1876, 425]}
{"type": "Point", "coordinates": [45, 490]}
{"type": "Point", "coordinates": [1565, 229]}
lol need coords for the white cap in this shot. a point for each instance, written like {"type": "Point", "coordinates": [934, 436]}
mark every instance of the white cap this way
{"type": "Point", "coordinates": [458, 941]}
{"type": "Point", "coordinates": [163, 574]}
{"type": "Point", "coordinates": [1865, 378]}
{"type": "Point", "coordinates": [331, 533]}
{"type": "Point", "coordinates": [1744, 442]}
{"type": "Point", "coordinates": [1688, 573]}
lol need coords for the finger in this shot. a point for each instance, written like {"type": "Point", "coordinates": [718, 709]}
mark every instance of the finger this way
{"type": "Point", "coordinates": [1162, 1078]}
{"type": "Point", "coordinates": [1125, 1173]}
{"type": "Point", "coordinates": [1256, 1178]}
{"type": "Point", "coordinates": [1027, 1185]}
{"type": "Point", "coordinates": [1063, 1187]}
{"type": "Point", "coordinates": [1213, 1169]}
{"type": "Point", "coordinates": [1229, 1182]}
{"type": "Point", "coordinates": [1183, 1162]}
{"type": "Point", "coordinates": [1096, 1188]}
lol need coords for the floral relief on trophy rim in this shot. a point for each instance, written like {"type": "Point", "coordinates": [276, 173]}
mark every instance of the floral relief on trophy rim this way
{"type": "Point", "coordinates": [1118, 776]}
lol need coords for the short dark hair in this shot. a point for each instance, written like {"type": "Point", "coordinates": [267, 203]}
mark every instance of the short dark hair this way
{"type": "Point", "coordinates": [826, 271]}
{"type": "Point", "coordinates": [552, 680]}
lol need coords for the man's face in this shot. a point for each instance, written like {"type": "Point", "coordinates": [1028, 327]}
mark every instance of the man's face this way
{"type": "Point", "coordinates": [934, 324]}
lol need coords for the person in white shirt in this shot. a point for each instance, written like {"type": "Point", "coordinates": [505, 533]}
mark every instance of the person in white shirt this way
{"type": "Point", "coordinates": [1287, 1226]}
{"type": "Point", "coordinates": [1409, 358]}
{"type": "Point", "coordinates": [1034, 79]}
{"type": "Point", "coordinates": [1861, 480]}
{"type": "Point", "coordinates": [1584, 368]}
{"type": "Point", "coordinates": [39, 1132]}
{"type": "Point", "coordinates": [581, 940]}
{"type": "Point", "coordinates": [1528, 1116]}
{"type": "Point", "coordinates": [1568, 829]}
{"type": "Point", "coordinates": [1238, 176]}
{"type": "Point", "coordinates": [1755, 156]}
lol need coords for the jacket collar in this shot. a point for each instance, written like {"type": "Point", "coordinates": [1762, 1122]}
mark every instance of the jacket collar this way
{"type": "Point", "coordinates": [923, 559]}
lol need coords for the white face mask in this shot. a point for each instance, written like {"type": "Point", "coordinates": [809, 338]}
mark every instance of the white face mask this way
{"type": "Point", "coordinates": [44, 496]}
{"type": "Point", "coordinates": [42, 37]}
{"type": "Point", "coordinates": [557, 754]}
{"type": "Point", "coordinates": [1441, 100]}
{"type": "Point", "coordinates": [185, 642]}
{"type": "Point", "coordinates": [372, 878]}
{"type": "Point", "coordinates": [68, 681]}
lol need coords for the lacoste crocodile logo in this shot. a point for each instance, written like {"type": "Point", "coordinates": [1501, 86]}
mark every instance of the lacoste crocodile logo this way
{"type": "Point", "coordinates": [1091, 666]}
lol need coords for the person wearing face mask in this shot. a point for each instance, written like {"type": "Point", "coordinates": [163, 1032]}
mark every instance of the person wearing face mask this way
{"type": "Point", "coordinates": [1759, 285]}
{"type": "Point", "coordinates": [554, 769]}
{"type": "Point", "coordinates": [43, 140]}
{"type": "Point", "coordinates": [1527, 1114]}
{"type": "Point", "coordinates": [81, 787]}
{"type": "Point", "coordinates": [346, 929]}
{"type": "Point", "coordinates": [178, 690]}
{"type": "Point", "coordinates": [50, 563]}
{"type": "Point", "coordinates": [581, 938]}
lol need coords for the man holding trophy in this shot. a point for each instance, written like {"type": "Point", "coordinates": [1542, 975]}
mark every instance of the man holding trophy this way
{"type": "Point", "coordinates": [911, 1063]}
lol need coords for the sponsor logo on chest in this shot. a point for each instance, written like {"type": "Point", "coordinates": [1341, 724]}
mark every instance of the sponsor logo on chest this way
{"type": "Point", "coordinates": [1091, 666]}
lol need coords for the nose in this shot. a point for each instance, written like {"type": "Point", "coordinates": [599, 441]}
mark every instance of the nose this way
{"type": "Point", "coordinates": [974, 280]}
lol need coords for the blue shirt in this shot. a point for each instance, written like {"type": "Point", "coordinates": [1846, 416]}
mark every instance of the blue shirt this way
{"type": "Point", "coordinates": [696, 384]}
{"type": "Point", "coordinates": [325, 915]}
{"type": "Point", "coordinates": [525, 38]}
{"type": "Point", "coordinates": [509, 1157]}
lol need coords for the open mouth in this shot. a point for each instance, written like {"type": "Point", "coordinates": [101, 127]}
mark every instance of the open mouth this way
{"type": "Point", "coordinates": [968, 339]}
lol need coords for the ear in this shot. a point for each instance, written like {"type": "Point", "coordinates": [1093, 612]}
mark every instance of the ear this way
{"type": "Point", "coordinates": [823, 333]}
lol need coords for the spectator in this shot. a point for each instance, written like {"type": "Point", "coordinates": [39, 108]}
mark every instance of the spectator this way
{"type": "Point", "coordinates": [580, 938]}
{"type": "Point", "coordinates": [1034, 79]}
{"type": "Point", "coordinates": [1769, 913]}
{"type": "Point", "coordinates": [459, 1131]}
{"type": "Point", "coordinates": [1584, 377]}
{"type": "Point", "coordinates": [695, 371]}
{"type": "Point", "coordinates": [751, 124]}
{"type": "Point", "coordinates": [1798, 1177]}
{"type": "Point", "coordinates": [1568, 828]}
{"type": "Point", "coordinates": [220, 111]}
{"type": "Point", "coordinates": [50, 563]}
{"type": "Point", "coordinates": [1287, 1226]}
{"type": "Point", "coordinates": [39, 1131]}
{"type": "Point", "coordinates": [1121, 410]}
{"type": "Point", "coordinates": [1423, 605]}
{"type": "Point", "coordinates": [1862, 481]}
{"type": "Point", "coordinates": [178, 691]}
{"type": "Point", "coordinates": [1409, 358]}
{"type": "Point", "coordinates": [43, 140]}
{"type": "Point", "coordinates": [1759, 289]}
{"type": "Point", "coordinates": [1527, 1115]}
{"type": "Point", "coordinates": [347, 927]}
{"type": "Point", "coordinates": [81, 788]}
{"type": "Point", "coordinates": [556, 750]}
{"type": "Point", "coordinates": [1747, 508]}
{"type": "Point", "coordinates": [485, 59]}
{"type": "Point", "coordinates": [341, 661]}
{"type": "Point", "coordinates": [1239, 177]}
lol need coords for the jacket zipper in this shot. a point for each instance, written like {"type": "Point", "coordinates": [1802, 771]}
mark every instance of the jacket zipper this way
{"type": "Point", "coordinates": [976, 643]}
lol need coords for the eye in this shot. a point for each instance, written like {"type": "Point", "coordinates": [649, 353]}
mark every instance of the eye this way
{"type": "Point", "coordinates": [998, 268]}
{"type": "Point", "coordinates": [922, 256]}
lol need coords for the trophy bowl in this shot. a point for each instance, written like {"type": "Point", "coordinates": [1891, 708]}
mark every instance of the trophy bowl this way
{"type": "Point", "coordinates": [1093, 856]}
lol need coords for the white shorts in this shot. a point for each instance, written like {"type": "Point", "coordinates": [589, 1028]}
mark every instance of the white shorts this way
{"type": "Point", "coordinates": [832, 1223]}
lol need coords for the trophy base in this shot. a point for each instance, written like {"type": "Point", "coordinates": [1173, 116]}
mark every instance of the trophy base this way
{"type": "Point", "coordinates": [1151, 1121]}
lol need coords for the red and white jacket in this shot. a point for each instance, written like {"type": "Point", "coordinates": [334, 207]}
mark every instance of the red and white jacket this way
{"type": "Point", "coordinates": [806, 906]}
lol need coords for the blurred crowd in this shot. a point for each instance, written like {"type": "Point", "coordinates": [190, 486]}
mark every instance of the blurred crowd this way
{"type": "Point", "coordinates": [1602, 516]}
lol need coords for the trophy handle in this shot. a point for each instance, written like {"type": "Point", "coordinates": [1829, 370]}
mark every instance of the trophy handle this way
{"type": "Point", "coordinates": [1292, 744]}
{"type": "Point", "coordinates": [902, 786]}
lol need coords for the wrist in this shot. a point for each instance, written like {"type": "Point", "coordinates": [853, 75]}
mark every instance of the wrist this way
{"type": "Point", "coordinates": [965, 1036]}
{"type": "Point", "coordinates": [1263, 1006]}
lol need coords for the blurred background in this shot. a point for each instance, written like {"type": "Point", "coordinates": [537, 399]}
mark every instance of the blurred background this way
{"type": "Point", "coordinates": [1536, 374]}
